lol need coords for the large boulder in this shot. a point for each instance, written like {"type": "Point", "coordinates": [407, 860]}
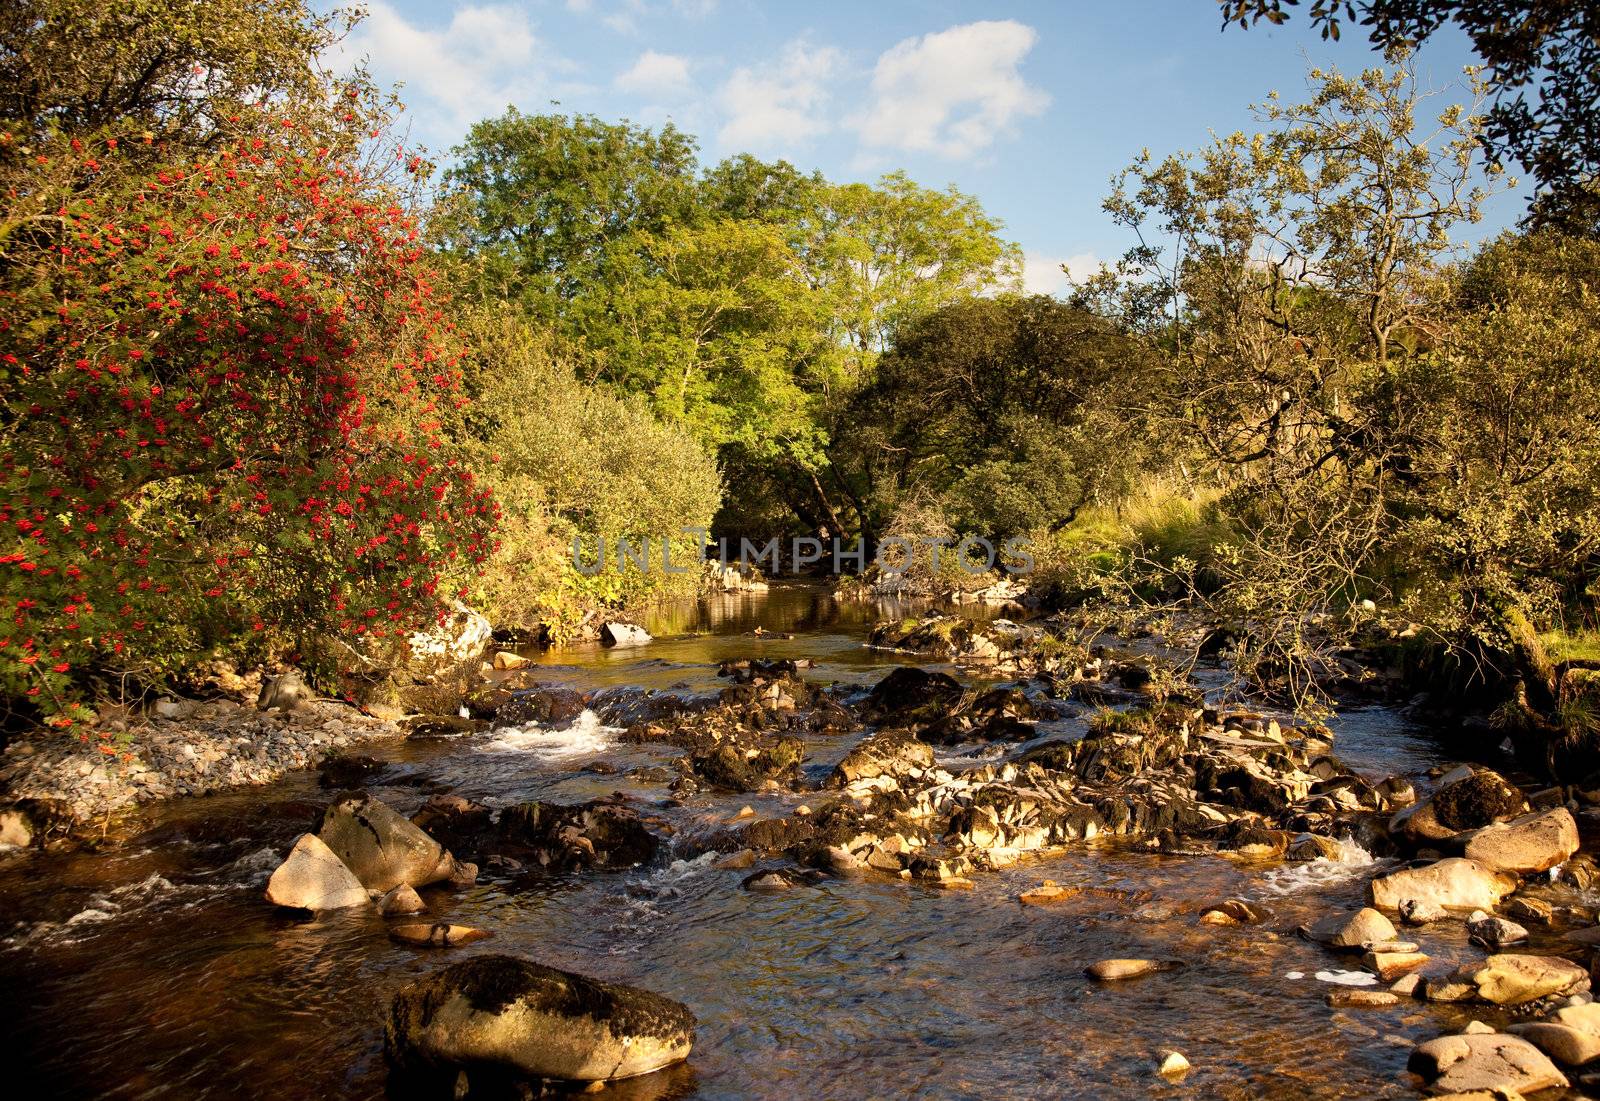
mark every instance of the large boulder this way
{"type": "Point", "coordinates": [1526, 845]}
{"type": "Point", "coordinates": [1467, 799]}
{"type": "Point", "coordinates": [514, 1015]}
{"type": "Point", "coordinates": [909, 695]}
{"type": "Point", "coordinates": [383, 849]}
{"type": "Point", "coordinates": [1563, 1043]}
{"type": "Point", "coordinates": [314, 878]}
{"type": "Point", "coordinates": [1455, 884]}
{"type": "Point", "coordinates": [1484, 1061]}
{"type": "Point", "coordinates": [426, 672]}
{"type": "Point", "coordinates": [739, 764]}
{"type": "Point", "coordinates": [888, 754]}
{"type": "Point", "coordinates": [1511, 978]}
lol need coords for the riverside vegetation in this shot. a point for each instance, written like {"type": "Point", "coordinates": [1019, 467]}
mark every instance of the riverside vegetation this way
{"type": "Point", "coordinates": [298, 434]}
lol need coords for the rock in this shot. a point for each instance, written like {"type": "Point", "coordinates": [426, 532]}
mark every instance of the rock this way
{"type": "Point", "coordinates": [1455, 884]}
{"type": "Point", "coordinates": [1527, 908]}
{"type": "Point", "coordinates": [1313, 846]}
{"type": "Point", "coordinates": [1585, 1017]}
{"type": "Point", "coordinates": [1459, 1064]}
{"type": "Point", "coordinates": [1478, 799]}
{"type": "Point", "coordinates": [1493, 932]}
{"type": "Point", "coordinates": [771, 882]}
{"type": "Point", "coordinates": [1467, 799]}
{"type": "Point", "coordinates": [1047, 893]}
{"type": "Point", "coordinates": [441, 934]}
{"type": "Point", "coordinates": [1365, 926]}
{"type": "Point", "coordinates": [535, 1021]}
{"type": "Point", "coordinates": [1513, 979]}
{"type": "Point", "coordinates": [601, 834]}
{"type": "Point", "coordinates": [383, 849]}
{"type": "Point", "coordinates": [617, 633]}
{"type": "Point", "coordinates": [1389, 966]}
{"type": "Point", "coordinates": [431, 672]}
{"type": "Point", "coordinates": [737, 861]}
{"type": "Point", "coordinates": [1415, 912]}
{"type": "Point", "coordinates": [505, 659]}
{"type": "Point", "coordinates": [1356, 998]}
{"type": "Point", "coordinates": [463, 875]}
{"type": "Point", "coordinates": [15, 829]}
{"type": "Point", "coordinates": [1563, 1043]}
{"type": "Point", "coordinates": [1407, 986]}
{"type": "Point", "coordinates": [889, 754]}
{"type": "Point", "coordinates": [401, 900]}
{"type": "Point", "coordinates": [1588, 936]}
{"type": "Point", "coordinates": [314, 878]}
{"type": "Point", "coordinates": [282, 693]}
{"type": "Point", "coordinates": [909, 695]}
{"type": "Point", "coordinates": [1477, 1028]}
{"type": "Point", "coordinates": [1235, 912]}
{"type": "Point", "coordinates": [1116, 970]}
{"type": "Point", "coordinates": [1172, 1064]}
{"type": "Point", "coordinates": [1527, 845]}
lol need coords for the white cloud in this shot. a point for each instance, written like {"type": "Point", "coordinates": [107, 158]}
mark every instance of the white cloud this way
{"type": "Point", "coordinates": [579, 7]}
{"type": "Point", "coordinates": [952, 92]}
{"type": "Point", "coordinates": [486, 58]}
{"type": "Point", "coordinates": [656, 74]}
{"type": "Point", "coordinates": [694, 9]}
{"type": "Point", "coordinates": [1043, 274]}
{"type": "Point", "coordinates": [779, 105]}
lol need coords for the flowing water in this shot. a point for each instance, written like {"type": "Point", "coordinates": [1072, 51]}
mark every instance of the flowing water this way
{"type": "Point", "coordinates": [155, 969]}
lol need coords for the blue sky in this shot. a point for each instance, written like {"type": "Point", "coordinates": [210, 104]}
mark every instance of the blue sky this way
{"type": "Point", "coordinates": [1030, 106]}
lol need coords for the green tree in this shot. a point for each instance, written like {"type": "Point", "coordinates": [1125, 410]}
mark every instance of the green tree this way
{"type": "Point", "coordinates": [1009, 413]}
{"type": "Point", "coordinates": [1550, 47]}
{"type": "Point", "coordinates": [539, 201]}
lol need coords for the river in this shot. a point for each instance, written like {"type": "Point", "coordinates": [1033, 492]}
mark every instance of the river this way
{"type": "Point", "coordinates": [155, 969]}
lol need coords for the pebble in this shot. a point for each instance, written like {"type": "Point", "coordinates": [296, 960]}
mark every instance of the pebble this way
{"type": "Point", "coordinates": [1361, 999]}
{"type": "Point", "coordinates": [1172, 1065]}
{"type": "Point", "coordinates": [1116, 970]}
{"type": "Point", "coordinates": [441, 934]}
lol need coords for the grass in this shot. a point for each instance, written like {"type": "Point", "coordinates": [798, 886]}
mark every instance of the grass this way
{"type": "Point", "coordinates": [1581, 645]}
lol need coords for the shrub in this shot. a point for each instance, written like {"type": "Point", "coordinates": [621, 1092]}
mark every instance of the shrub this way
{"type": "Point", "coordinates": [569, 461]}
{"type": "Point", "coordinates": [225, 376]}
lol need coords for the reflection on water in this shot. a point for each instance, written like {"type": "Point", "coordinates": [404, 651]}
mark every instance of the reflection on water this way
{"type": "Point", "coordinates": [189, 986]}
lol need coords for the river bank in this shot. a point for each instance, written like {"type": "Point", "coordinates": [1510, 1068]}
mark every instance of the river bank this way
{"type": "Point", "coordinates": [59, 786]}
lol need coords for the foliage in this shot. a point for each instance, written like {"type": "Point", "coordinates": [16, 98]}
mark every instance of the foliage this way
{"type": "Point", "coordinates": [226, 367]}
{"type": "Point", "coordinates": [1011, 412]}
{"type": "Point", "coordinates": [577, 463]}
{"type": "Point", "coordinates": [1551, 46]}
{"type": "Point", "coordinates": [540, 199]}
{"type": "Point", "coordinates": [748, 302]}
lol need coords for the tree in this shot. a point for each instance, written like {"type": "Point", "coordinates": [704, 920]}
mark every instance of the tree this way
{"type": "Point", "coordinates": [1295, 269]}
{"type": "Point", "coordinates": [1009, 413]}
{"type": "Point", "coordinates": [1292, 263]}
{"type": "Point", "coordinates": [177, 68]}
{"type": "Point", "coordinates": [747, 303]}
{"type": "Point", "coordinates": [1550, 47]}
{"type": "Point", "coordinates": [540, 200]}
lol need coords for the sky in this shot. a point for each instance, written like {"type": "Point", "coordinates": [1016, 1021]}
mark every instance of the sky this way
{"type": "Point", "coordinates": [1032, 107]}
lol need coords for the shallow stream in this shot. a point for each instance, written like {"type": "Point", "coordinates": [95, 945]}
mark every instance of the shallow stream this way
{"type": "Point", "coordinates": [155, 969]}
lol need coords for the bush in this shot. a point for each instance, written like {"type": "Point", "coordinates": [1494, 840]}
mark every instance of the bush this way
{"type": "Point", "coordinates": [225, 376]}
{"type": "Point", "coordinates": [576, 461]}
